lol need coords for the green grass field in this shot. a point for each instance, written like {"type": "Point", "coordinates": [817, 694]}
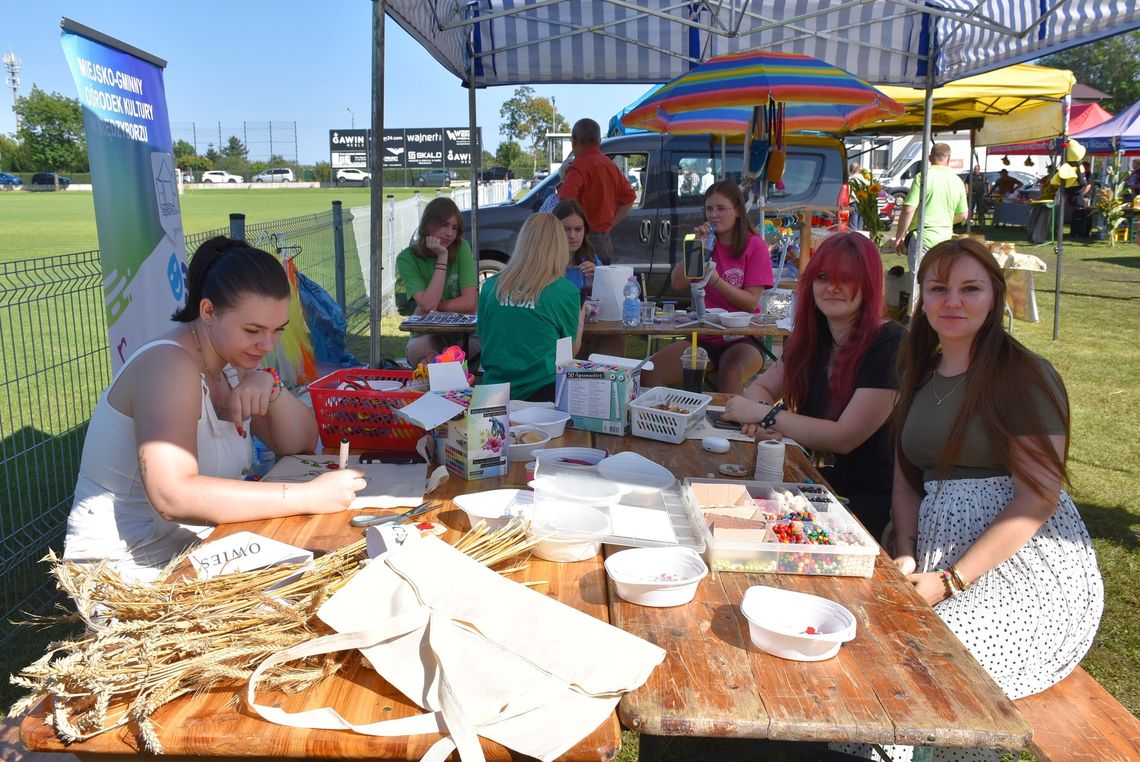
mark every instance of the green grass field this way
{"type": "Point", "coordinates": [42, 224]}
{"type": "Point", "coordinates": [1098, 355]}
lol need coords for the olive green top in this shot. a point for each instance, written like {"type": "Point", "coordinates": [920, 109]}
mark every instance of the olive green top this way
{"type": "Point", "coordinates": [928, 425]}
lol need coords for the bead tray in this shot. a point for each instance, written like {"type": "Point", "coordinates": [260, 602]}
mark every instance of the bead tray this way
{"type": "Point", "coordinates": [815, 511]}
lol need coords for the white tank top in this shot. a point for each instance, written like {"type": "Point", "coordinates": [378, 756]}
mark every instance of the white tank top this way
{"type": "Point", "coordinates": [111, 518]}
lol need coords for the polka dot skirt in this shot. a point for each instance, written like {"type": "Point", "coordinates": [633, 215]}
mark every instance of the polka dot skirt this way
{"type": "Point", "coordinates": [1029, 620]}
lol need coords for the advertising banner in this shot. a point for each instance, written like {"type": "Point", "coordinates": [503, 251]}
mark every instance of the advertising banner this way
{"type": "Point", "coordinates": [134, 185]}
{"type": "Point", "coordinates": [425, 148]}
{"type": "Point", "coordinates": [457, 146]}
{"type": "Point", "coordinates": [349, 148]}
{"type": "Point", "coordinates": [394, 149]}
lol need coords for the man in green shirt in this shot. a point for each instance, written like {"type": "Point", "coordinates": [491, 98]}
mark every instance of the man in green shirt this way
{"type": "Point", "coordinates": [944, 203]}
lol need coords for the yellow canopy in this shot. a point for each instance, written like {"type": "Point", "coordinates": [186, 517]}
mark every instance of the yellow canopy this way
{"type": "Point", "coordinates": [1017, 103]}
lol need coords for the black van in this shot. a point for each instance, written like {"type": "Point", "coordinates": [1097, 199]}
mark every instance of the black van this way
{"type": "Point", "coordinates": [669, 201]}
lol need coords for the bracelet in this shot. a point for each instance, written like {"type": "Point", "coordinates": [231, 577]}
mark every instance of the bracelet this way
{"type": "Point", "coordinates": [275, 392]}
{"type": "Point", "coordinates": [947, 583]}
{"type": "Point", "coordinates": [769, 420]}
{"type": "Point", "coordinates": [956, 577]}
{"type": "Point", "coordinates": [440, 267]}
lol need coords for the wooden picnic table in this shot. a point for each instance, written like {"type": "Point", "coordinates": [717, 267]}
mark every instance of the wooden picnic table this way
{"type": "Point", "coordinates": [616, 327]}
{"type": "Point", "coordinates": [904, 679]}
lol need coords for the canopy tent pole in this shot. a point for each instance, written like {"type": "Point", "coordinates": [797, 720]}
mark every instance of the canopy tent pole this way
{"type": "Point", "coordinates": [970, 182]}
{"type": "Point", "coordinates": [375, 204]}
{"type": "Point", "coordinates": [920, 228]}
{"type": "Point", "coordinates": [476, 144]}
{"type": "Point", "coordinates": [1059, 206]}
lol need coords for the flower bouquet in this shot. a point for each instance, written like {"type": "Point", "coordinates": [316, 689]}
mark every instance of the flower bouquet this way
{"type": "Point", "coordinates": [1111, 209]}
{"type": "Point", "coordinates": [865, 195]}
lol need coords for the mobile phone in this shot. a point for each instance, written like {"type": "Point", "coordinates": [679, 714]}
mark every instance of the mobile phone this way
{"type": "Point", "coordinates": [719, 423]}
{"type": "Point", "coordinates": [694, 251]}
{"type": "Point", "coordinates": [380, 456]}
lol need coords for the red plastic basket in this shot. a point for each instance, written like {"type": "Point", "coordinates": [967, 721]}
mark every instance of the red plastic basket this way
{"type": "Point", "coordinates": [365, 416]}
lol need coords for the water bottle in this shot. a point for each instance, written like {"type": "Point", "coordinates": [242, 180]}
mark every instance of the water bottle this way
{"type": "Point", "coordinates": [631, 305]}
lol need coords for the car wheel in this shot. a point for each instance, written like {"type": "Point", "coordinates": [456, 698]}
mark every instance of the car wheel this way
{"type": "Point", "coordinates": [232, 181]}
{"type": "Point", "coordinates": [340, 181]}
{"type": "Point", "coordinates": [489, 267]}
{"type": "Point", "coordinates": [420, 182]}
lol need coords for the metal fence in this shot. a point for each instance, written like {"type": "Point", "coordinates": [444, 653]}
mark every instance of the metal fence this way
{"type": "Point", "coordinates": [53, 347]}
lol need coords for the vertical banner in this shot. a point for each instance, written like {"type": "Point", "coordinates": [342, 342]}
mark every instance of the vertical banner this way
{"type": "Point", "coordinates": [130, 150]}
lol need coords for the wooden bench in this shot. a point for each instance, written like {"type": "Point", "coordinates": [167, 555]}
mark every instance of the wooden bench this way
{"type": "Point", "coordinates": [1077, 721]}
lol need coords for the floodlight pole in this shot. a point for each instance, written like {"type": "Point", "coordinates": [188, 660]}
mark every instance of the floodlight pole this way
{"type": "Point", "coordinates": [351, 116]}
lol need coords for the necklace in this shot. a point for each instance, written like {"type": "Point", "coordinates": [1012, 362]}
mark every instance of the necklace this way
{"type": "Point", "coordinates": [939, 399]}
{"type": "Point", "coordinates": [202, 356]}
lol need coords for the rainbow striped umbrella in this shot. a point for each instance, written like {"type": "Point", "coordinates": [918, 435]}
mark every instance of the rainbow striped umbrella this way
{"type": "Point", "coordinates": [753, 78]}
{"type": "Point", "coordinates": [833, 118]}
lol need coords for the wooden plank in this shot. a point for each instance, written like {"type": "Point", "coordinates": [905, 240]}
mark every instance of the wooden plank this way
{"type": "Point", "coordinates": [217, 724]}
{"type": "Point", "coordinates": [615, 327]}
{"type": "Point", "coordinates": [904, 679]}
{"type": "Point", "coordinates": [1077, 720]}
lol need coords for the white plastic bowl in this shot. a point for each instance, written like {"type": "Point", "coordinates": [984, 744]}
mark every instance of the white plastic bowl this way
{"type": "Point", "coordinates": [779, 622]}
{"type": "Point", "coordinates": [568, 532]}
{"type": "Point", "coordinates": [572, 457]}
{"type": "Point", "coordinates": [577, 487]}
{"type": "Point", "coordinates": [656, 576]}
{"type": "Point", "coordinates": [553, 422]}
{"type": "Point", "coordinates": [714, 313]}
{"type": "Point", "coordinates": [525, 452]}
{"type": "Point", "coordinates": [496, 507]}
{"type": "Point", "coordinates": [736, 319]}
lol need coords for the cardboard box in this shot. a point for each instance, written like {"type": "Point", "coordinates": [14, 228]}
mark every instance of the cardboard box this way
{"type": "Point", "coordinates": [476, 420]}
{"type": "Point", "coordinates": [597, 392]}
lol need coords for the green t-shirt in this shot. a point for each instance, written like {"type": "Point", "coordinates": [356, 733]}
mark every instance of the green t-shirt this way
{"type": "Point", "coordinates": [945, 198]}
{"type": "Point", "coordinates": [414, 274]}
{"type": "Point", "coordinates": [518, 340]}
{"type": "Point", "coordinates": [928, 424]}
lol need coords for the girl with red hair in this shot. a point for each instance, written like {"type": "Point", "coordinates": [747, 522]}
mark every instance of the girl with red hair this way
{"type": "Point", "coordinates": [836, 380]}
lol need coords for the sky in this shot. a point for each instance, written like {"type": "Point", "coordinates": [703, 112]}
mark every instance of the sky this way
{"type": "Point", "coordinates": [235, 61]}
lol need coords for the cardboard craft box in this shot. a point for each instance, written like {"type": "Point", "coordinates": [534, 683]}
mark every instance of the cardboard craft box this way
{"type": "Point", "coordinates": [476, 420]}
{"type": "Point", "coordinates": [597, 392]}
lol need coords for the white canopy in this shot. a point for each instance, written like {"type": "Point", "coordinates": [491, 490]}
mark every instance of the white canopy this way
{"type": "Point", "coordinates": [898, 42]}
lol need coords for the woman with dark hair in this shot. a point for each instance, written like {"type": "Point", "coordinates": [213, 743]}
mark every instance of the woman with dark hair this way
{"type": "Point", "coordinates": [580, 272]}
{"type": "Point", "coordinates": [738, 272]}
{"type": "Point", "coordinates": [836, 378]}
{"type": "Point", "coordinates": [436, 273]}
{"type": "Point", "coordinates": [982, 526]}
{"type": "Point", "coordinates": [169, 440]}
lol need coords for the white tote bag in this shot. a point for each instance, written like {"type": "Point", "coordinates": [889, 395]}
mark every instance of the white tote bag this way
{"type": "Point", "coordinates": [483, 655]}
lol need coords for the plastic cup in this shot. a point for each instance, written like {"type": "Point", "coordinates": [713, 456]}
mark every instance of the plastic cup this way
{"type": "Point", "coordinates": [648, 312]}
{"type": "Point", "coordinates": [693, 371]}
{"type": "Point", "coordinates": [669, 312]}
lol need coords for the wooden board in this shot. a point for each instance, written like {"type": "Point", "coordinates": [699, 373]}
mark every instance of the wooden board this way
{"type": "Point", "coordinates": [217, 724]}
{"type": "Point", "coordinates": [615, 327]}
{"type": "Point", "coordinates": [904, 679]}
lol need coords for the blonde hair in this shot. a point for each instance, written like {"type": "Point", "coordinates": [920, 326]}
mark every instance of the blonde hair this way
{"type": "Point", "coordinates": [539, 259]}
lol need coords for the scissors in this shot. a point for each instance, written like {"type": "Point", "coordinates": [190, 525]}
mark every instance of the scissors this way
{"type": "Point", "coordinates": [370, 521]}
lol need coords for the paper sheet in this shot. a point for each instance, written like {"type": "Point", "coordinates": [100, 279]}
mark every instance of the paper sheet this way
{"type": "Point", "coordinates": [641, 523]}
{"type": "Point", "coordinates": [389, 485]}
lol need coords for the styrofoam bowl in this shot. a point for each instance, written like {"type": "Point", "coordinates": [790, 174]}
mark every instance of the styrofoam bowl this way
{"type": "Point", "coordinates": [656, 576]}
{"type": "Point", "coordinates": [568, 532]}
{"type": "Point", "coordinates": [553, 422]}
{"type": "Point", "coordinates": [778, 622]}
{"type": "Point", "coordinates": [714, 313]}
{"type": "Point", "coordinates": [736, 319]}
{"type": "Point", "coordinates": [525, 452]}
{"type": "Point", "coordinates": [582, 457]}
{"type": "Point", "coordinates": [496, 507]}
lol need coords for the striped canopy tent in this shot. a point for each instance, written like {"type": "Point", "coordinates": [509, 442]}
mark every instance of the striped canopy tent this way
{"type": "Point", "coordinates": [914, 43]}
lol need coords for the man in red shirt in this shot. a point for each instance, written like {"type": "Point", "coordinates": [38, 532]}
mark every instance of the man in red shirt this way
{"type": "Point", "coordinates": [598, 185]}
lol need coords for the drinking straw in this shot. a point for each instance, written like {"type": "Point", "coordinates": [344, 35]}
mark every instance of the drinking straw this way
{"type": "Point", "coordinates": [693, 358]}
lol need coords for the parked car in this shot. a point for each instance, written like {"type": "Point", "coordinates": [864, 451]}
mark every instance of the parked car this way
{"type": "Point", "coordinates": [436, 177]}
{"type": "Point", "coordinates": [50, 178]}
{"type": "Point", "coordinates": [275, 175]}
{"type": "Point", "coordinates": [1027, 180]}
{"type": "Point", "coordinates": [496, 173]}
{"type": "Point", "coordinates": [352, 175]}
{"type": "Point", "coordinates": [539, 176]}
{"type": "Point", "coordinates": [666, 209]}
{"type": "Point", "coordinates": [221, 176]}
{"type": "Point", "coordinates": [187, 177]}
{"type": "Point", "coordinates": [7, 179]}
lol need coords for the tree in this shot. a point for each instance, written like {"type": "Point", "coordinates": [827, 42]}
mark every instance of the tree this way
{"type": "Point", "coordinates": [12, 156]}
{"type": "Point", "coordinates": [1111, 65]}
{"type": "Point", "coordinates": [235, 149]}
{"type": "Point", "coordinates": [195, 163]}
{"type": "Point", "coordinates": [527, 119]}
{"type": "Point", "coordinates": [51, 131]}
{"type": "Point", "coordinates": [183, 149]}
{"type": "Point", "coordinates": [212, 153]}
{"type": "Point", "coordinates": [508, 153]}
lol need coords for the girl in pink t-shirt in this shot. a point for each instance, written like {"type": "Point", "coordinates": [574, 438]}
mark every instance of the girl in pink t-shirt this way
{"type": "Point", "coordinates": [740, 270]}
